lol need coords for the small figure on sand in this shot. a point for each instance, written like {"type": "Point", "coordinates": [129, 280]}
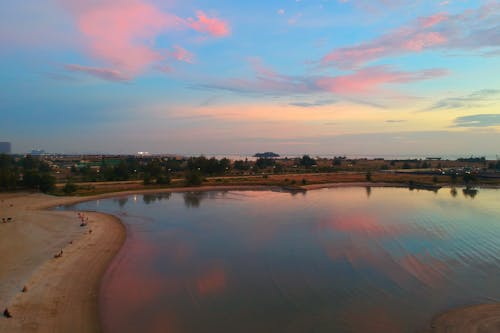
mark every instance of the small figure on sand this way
{"type": "Point", "coordinates": [25, 289]}
{"type": "Point", "coordinates": [6, 313]}
{"type": "Point", "coordinates": [58, 255]}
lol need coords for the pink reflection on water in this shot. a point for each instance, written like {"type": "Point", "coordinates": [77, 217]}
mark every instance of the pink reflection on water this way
{"type": "Point", "coordinates": [362, 245]}
{"type": "Point", "coordinates": [212, 281]}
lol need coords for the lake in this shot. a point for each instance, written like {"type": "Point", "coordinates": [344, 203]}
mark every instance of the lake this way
{"type": "Point", "coordinates": [333, 260]}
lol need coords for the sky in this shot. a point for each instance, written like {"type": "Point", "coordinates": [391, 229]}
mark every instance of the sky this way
{"type": "Point", "coordinates": [323, 77]}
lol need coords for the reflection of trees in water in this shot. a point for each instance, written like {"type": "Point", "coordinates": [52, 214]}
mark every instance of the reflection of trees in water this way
{"type": "Point", "coordinates": [193, 199]}
{"type": "Point", "coordinates": [470, 192]}
{"type": "Point", "coordinates": [453, 192]}
{"type": "Point", "coordinates": [150, 198]}
{"type": "Point", "coordinates": [122, 201]}
{"type": "Point", "coordinates": [294, 193]}
{"type": "Point", "coordinates": [368, 191]}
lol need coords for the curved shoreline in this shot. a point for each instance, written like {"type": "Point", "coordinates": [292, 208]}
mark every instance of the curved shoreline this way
{"type": "Point", "coordinates": [63, 293]}
{"type": "Point", "coordinates": [484, 318]}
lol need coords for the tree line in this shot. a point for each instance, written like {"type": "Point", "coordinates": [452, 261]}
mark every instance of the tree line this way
{"type": "Point", "coordinates": [25, 172]}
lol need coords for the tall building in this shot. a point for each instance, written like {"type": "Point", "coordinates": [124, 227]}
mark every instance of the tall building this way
{"type": "Point", "coordinates": [5, 147]}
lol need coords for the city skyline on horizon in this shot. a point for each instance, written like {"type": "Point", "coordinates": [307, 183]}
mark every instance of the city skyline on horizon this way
{"type": "Point", "coordinates": [39, 151]}
{"type": "Point", "coordinates": [347, 77]}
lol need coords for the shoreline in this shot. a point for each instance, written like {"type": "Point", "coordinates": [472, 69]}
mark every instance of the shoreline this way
{"type": "Point", "coordinates": [63, 293]}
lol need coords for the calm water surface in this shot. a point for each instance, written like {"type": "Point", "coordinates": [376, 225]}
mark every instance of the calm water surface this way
{"type": "Point", "coordinates": [332, 260]}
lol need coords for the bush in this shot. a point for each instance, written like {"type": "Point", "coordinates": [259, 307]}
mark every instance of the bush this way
{"type": "Point", "coordinates": [147, 178]}
{"type": "Point", "coordinates": [163, 180]}
{"type": "Point", "coordinates": [468, 178]}
{"type": "Point", "coordinates": [47, 183]}
{"type": "Point", "coordinates": [193, 178]}
{"type": "Point", "coordinates": [454, 177]}
{"type": "Point", "coordinates": [70, 188]}
{"type": "Point", "coordinates": [368, 176]}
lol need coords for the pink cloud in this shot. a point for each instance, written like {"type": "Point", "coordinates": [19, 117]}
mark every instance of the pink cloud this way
{"type": "Point", "coordinates": [364, 81]}
{"type": "Point", "coordinates": [122, 34]}
{"type": "Point", "coordinates": [430, 21]}
{"type": "Point", "coordinates": [370, 79]}
{"type": "Point", "coordinates": [103, 73]}
{"type": "Point", "coordinates": [471, 29]}
{"type": "Point", "coordinates": [181, 54]}
{"type": "Point", "coordinates": [209, 25]}
{"type": "Point", "coordinates": [423, 41]}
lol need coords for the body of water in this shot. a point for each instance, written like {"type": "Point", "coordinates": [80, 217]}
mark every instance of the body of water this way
{"type": "Point", "coordinates": [332, 260]}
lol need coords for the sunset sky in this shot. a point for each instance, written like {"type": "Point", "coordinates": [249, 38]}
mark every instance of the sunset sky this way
{"type": "Point", "coordinates": [354, 77]}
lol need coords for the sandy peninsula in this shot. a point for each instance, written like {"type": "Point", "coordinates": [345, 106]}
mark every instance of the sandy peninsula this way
{"type": "Point", "coordinates": [62, 293]}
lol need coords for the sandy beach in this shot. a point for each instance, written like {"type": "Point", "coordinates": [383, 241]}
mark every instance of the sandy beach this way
{"type": "Point", "coordinates": [62, 293]}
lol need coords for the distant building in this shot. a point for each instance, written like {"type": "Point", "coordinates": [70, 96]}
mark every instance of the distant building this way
{"type": "Point", "coordinates": [38, 152]}
{"type": "Point", "coordinates": [5, 148]}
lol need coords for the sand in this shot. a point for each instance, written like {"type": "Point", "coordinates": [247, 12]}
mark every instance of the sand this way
{"type": "Point", "coordinates": [62, 293]}
{"type": "Point", "coordinates": [483, 318]}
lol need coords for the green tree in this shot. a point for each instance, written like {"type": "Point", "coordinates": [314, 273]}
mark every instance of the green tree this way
{"type": "Point", "coordinates": [163, 180]}
{"type": "Point", "coordinates": [70, 187]}
{"type": "Point", "coordinates": [147, 178]}
{"type": "Point", "coordinates": [47, 183]}
{"type": "Point", "coordinates": [307, 161]}
{"type": "Point", "coordinates": [193, 178]}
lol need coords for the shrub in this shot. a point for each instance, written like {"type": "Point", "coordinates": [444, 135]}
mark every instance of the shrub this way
{"type": "Point", "coordinates": [47, 183]}
{"type": "Point", "coordinates": [147, 178]}
{"type": "Point", "coordinates": [369, 176]}
{"type": "Point", "coordinates": [193, 178]}
{"type": "Point", "coordinates": [163, 180]}
{"type": "Point", "coordinates": [70, 188]}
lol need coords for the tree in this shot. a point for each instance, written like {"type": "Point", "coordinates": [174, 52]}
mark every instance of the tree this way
{"type": "Point", "coordinates": [241, 165]}
{"type": "Point", "coordinates": [31, 178]}
{"type": "Point", "coordinates": [467, 178]}
{"type": "Point", "coordinates": [368, 176]}
{"type": "Point", "coordinates": [147, 178]}
{"type": "Point", "coordinates": [163, 180]}
{"type": "Point", "coordinates": [193, 178]}
{"type": "Point", "coordinates": [307, 161]}
{"type": "Point", "coordinates": [263, 163]}
{"type": "Point", "coordinates": [70, 187]}
{"type": "Point", "coordinates": [47, 183]}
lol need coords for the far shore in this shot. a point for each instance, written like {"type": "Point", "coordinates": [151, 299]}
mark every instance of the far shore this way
{"type": "Point", "coordinates": [62, 293]}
